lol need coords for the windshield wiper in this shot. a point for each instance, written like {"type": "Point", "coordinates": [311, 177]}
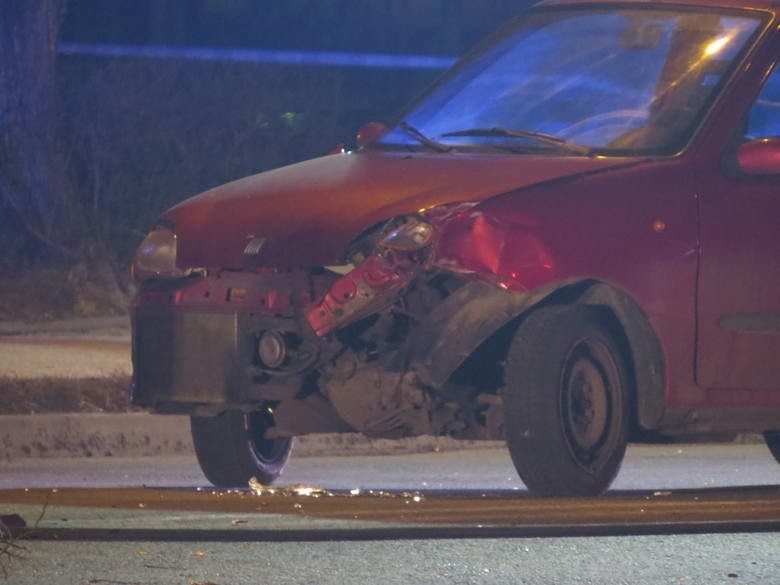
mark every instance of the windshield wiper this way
{"type": "Point", "coordinates": [539, 136]}
{"type": "Point", "coordinates": [413, 132]}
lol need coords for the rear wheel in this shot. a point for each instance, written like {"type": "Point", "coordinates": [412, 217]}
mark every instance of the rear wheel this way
{"type": "Point", "coordinates": [565, 402]}
{"type": "Point", "coordinates": [231, 448]}
{"type": "Point", "coordinates": [772, 439]}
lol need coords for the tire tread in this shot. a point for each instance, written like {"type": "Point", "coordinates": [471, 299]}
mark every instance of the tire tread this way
{"type": "Point", "coordinates": [536, 443]}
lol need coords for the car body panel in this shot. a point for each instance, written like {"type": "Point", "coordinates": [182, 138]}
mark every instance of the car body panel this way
{"type": "Point", "coordinates": [739, 286]}
{"type": "Point", "coordinates": [739, 300]}
{"type": "Point", "coordinates": [635, 229]}
{"type": "Point", "coordinates": [738, 282]}
{"type": "Point", "coordinates": [309, 212]}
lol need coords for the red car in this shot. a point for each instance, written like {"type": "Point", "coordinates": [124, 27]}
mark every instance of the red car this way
{"type": "Point", "coordinates": [571, 241]}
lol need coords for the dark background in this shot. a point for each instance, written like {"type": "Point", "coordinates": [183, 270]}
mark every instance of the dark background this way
{"type": "Point", "coordinates": [95, 153]}
{"type": "Point", "coordinates": [442, 27]}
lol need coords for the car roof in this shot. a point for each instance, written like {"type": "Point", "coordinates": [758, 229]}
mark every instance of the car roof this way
{"type": "Point", "coordinates": [749, 4]}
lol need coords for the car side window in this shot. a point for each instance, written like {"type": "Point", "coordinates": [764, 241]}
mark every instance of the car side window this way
{"type": "Point", "coordinates": [764, 117]}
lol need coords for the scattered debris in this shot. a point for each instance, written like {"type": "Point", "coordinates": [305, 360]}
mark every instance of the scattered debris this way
{"type": "Point", "coordinates": [295, 490]}
{"type": "Point", "coordinates": [259, 489]}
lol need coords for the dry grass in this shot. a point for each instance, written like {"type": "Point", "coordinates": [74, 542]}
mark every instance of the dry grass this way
{"type": "Point", "coordinates": [49, 395]}
{"type": "Point", "coordinates": [41, 294]}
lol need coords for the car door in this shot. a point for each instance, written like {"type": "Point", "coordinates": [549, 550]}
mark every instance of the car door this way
{"type": "Point", "coordinates": [739, 279]}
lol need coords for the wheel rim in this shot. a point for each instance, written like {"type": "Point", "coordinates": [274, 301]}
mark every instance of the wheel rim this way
{"type": "Point", "coordinates": [266, 451]}
{"type": "Point", "coordinates": [588, 393]}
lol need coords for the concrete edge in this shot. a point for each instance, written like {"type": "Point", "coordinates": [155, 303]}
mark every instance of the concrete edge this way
{"type": "Point", "coordinates": [143, 434]}
{"type": "Point", "coordinates": [66, 326]}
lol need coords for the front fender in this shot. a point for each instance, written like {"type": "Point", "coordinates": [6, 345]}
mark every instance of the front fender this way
{"type": "Point", "coordinates": [461, 323]}
{"type": "Point", "coordinates": [478, 310]}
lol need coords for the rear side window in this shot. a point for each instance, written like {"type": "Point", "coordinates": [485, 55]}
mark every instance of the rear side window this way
{"type": "Point", "coordinates": [764, 116]}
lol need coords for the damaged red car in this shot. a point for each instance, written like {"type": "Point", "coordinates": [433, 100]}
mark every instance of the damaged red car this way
{"type": "Point", "coordinates": [570, 241]}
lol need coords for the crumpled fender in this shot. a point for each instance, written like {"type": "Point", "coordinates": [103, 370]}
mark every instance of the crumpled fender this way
{"type": "Point", "coordinates": [479, 309]}
{"type": "Point", "coordinates": [457, 326]}
{"type": "Point", "coordinates": [507, 252]}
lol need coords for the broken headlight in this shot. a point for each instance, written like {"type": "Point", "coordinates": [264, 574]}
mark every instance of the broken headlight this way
{"type": "Point", "coordinates": [156, 256]}
{"type": "Point", "coordinates": [413, 234]}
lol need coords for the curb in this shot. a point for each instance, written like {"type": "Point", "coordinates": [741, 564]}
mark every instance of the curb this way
{"type": "Point", "coordinates": [142, 435]}
{"type": "Point", "coordinates": [119, 324]}
{"type": "Point", "coordinates": [92, 435]}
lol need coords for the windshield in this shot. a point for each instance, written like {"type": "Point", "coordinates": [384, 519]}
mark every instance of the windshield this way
{"type": "Point", "coordinates": [612, 81]}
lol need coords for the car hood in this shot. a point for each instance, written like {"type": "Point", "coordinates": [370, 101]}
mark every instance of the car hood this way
{"type": "Point", "coordinates": [307, 214]}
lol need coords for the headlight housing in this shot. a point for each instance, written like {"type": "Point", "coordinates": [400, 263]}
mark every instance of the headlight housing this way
{"type": "Point", "coordinates": [413, 234]}
{"type": "Point", "coordinates": [156, 256]}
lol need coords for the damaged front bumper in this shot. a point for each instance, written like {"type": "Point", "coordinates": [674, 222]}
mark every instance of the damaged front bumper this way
{"type": "Point", "coordinates": [195, 341]}
{"type": "Point", "coordinates": [372, 350]}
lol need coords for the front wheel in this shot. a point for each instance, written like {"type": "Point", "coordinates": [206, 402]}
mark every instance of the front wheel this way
{"type": "Point", "coordinates": [232, 448]}
{"type": "Point", "coordinates": [566, 402]}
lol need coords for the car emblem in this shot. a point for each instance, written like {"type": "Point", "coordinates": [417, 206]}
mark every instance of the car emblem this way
{"type": "Point", "coordinates": [254, 246]}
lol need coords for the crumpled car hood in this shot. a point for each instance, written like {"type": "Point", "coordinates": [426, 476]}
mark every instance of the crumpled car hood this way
{"type": "Point", "coordinates": [309, 212]}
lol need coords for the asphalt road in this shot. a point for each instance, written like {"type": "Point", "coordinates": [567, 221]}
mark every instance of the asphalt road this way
{"type": "Point", "coordinates": [339, 550]}
{"type": "Point", "coordinates": [646, 467]}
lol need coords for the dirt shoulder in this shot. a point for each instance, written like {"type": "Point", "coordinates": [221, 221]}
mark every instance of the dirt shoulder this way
{"type": "Point", "coordinates": [65, 366]}
{"type": "Point", "coordinates": [68, 395]}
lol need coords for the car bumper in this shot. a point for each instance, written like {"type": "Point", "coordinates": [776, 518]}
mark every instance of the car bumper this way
{"type": "Point", "coordinates": [194, 342]}
{"type": "Point", "coordinates": [186, 357]}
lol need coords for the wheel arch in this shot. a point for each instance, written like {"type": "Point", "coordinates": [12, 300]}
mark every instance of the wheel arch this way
{"type": "Point", "coordinates": [643, 349]}
{"type": "Point", "coordinates": [479, 311]}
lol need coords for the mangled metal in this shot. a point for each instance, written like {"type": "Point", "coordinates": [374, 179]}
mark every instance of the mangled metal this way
{"type": "Point", "coordinates": [371, 342]}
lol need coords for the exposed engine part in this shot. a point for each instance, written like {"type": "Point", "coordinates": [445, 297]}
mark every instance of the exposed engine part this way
{"type": "Point", "coordinates": [272, 349]}
{"type": "Point", "coordinates": [491, 417]}
{"type": "Point", "coordinates": [280, 352]}
{"type": "Point", "coordinates": [378, 401]}
{"type": "Point", "coordinates": [311, 414]}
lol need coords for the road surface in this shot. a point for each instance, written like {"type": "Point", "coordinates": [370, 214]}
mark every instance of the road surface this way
{"type": "Point", "coordinates": [190, 535]}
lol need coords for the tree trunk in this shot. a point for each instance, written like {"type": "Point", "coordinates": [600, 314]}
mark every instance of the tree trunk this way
{"type": "Point", "coordinates": [34, 196]}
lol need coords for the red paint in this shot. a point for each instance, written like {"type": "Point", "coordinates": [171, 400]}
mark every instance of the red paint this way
{"type": "Point", "coordinates": [362, 292]}
{"type": "Point", "coordinates": [311, 211]}
{"type": "Point", "coordinates": [601, 227]}
{"type": "Point", "coordinates": [370, 132]}
{"type": "Point", "coordinates": [760, 157]}
{"type": "Point", "coordinates": [688, 241]}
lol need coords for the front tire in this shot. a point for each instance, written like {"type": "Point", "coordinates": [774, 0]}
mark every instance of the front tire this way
{"type": "Point", "coordinates": [566, 402]}
{"type": "Point", "coordinates": [231, 448]}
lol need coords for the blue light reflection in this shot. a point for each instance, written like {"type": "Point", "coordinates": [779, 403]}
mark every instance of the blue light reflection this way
{"type": "Point", "coordinates": [279, 57]}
